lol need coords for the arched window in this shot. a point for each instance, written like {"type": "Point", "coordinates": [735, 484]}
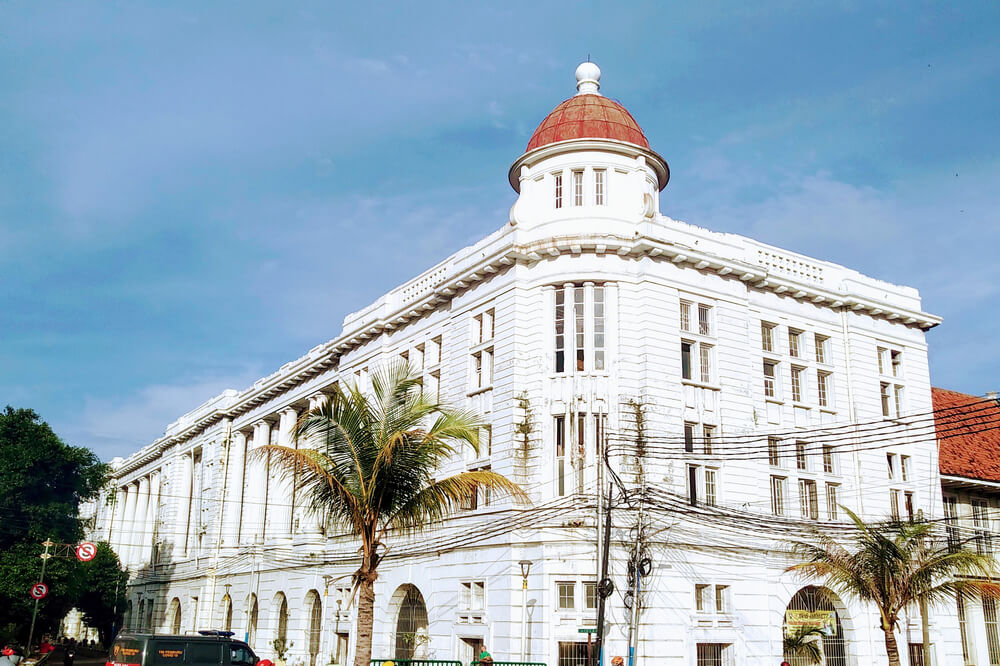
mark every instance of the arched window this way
{"type": "Point", "coordinates": [812, 624]}
{"type": "Point", "coordinates": [282, 634]}
{"type": "Point", "coordinates": [315, 630]}
{"type": "Point", "coordinates": [175, 616]}
{"type": "Point", "coordinates": [141, 615]}
{"type": "Point", "coordinates": [411, 624]}
{"type": "Point", "coordinates": [252, 620]}
{"type": "Point", "coordinates": [227, 613]}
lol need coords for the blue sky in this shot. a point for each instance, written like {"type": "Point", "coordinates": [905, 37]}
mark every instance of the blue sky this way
{"type": "Point", "coordinates": [193, 194]}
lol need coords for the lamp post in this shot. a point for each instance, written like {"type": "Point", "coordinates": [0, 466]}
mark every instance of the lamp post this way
{"type": "Point", "coordinates": [525, 568]}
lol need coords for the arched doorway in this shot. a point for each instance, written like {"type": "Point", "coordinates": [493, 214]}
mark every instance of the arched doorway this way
{"type": "Point", "coordinates": [813, 628]}
{"type": "Point", "coordinates": [314, 631]}
{"type": "Point", "coordinates": [279, 619]}
{"type": "Point", "coordinates": [411, 623]}
{"type": "Point", "coordinates": [175, 615]}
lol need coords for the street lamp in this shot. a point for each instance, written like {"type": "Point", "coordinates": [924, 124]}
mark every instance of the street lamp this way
{"type": "Point", "coordinates": [525, 568]}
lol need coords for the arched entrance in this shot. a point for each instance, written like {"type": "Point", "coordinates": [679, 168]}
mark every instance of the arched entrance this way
{"type": "Point", "coordinates": [813, 629]}
{"type": "Point", "coordinates": [252, 620]}
{"type": "Point", "coordinates": [314, 631]}
{"type": "Point", "coordinates": [227, 613]}
{"type": "Point", "coordinates": [411, 623]}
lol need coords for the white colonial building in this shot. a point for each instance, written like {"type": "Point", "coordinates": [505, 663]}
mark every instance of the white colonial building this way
{"type": "Point", "coordinates": [742, 393]}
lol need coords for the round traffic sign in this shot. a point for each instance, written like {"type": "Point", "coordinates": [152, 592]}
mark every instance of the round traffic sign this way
{"type": "Point", "coordinates": [39, 590]}
{"type": "Point", "coordinates": [86, 551]}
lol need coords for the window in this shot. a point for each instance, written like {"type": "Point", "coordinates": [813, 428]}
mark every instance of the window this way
{"type": "Point", "coordinates": [801, 461]}
{"type": "Point", "coordinates": [808, 501]}
{"type": "Point", "coordinates": [686, 316]}
{"type": "Point", "coordinates": [890, 464]}
{"type": "Point", "coordinates": [704, 315]}
{"type": "Point", "coordinates": [767, 336]}
{"type": "Point", "coordinates": [470, 500]}
{"type": "Point", "coordinates": [559, 424]}
{"type": "Point", "coordinates": [590, 596]}
{"type": "Point", "coordinates": [579, 320]}
{"type": "Point", "coordinates": [962, 627]}
{"type": "Point", "coordinates": [686, 359]}
{"type": "Point", "coordinates": [573, 653]}
{"type": "Point", "coordinates": [560, 319]}
{"type": "Point", "coordinates": [710, 487]}
{"type": "Point", "coordinates": [904, 467]}
{"type": "Point", "coordinates": [981, 523]}
{"type": "Point", "coordinates": [884, 394]}
{"type": "Point", "coordinates": [894, 503]}
{"type": "Point", "coordinates": [483, 327]}
{"type": "Point", "coordinates": [486, 441]}
{"type": "Point", "coordinates": [714, 654]}
{"type": "Point", "coordinates": [797, 373]}
{"type": "Point", "coordinates": [482, 369]}
{"type": "Point", "coordinates": [770, 372]}
{"type": "Point", "coordinates": [992, 637]}
{"type": "Point", "coordinates": [908, 503]}
{"type": "Point", "coordinates": [951, 523]}
{"type": "Point", "coordinates": [434, 386]}
{"type": "Point", "coordinates": [689, 437]}
{"type": "Point", "coordinates": [721, 599]}
{"type": "Point", "coordinates": [701, 599]}
{"type": "Point", "coordinates": [822, 342]}
{"type": "Point", "coordinates": [823, 388]}
{"type": "Point", "coordinates": [778, 495]}
{"type": "Point", "coordinates": [916, 652]}
{"type": "Point", "coordinates": [773, 452]}
{"type": "Point", "coordinates": [708, 433]}
{"type": "Point", "coordinates": [692, 484]}
{"type": "Point", "coordinates": [828, 458]}
{"type": "Point", "coordinates": [598, 328]}
{"type": "Point", "coordinates": [577, 188]}
{"type": "Point", "coordinates": [567, 593]}
{"type": "Point", "coordinates": [881, 353]}
{"type": "Point", "coordinates": [711, 598]}
{"type": "Point", "coordinates": [706, 363]}
{"type": "Point", "coordinates": [599, 187]}
{"type": "Point", "coordinates": [473, 595]}
{"type": "Point", "coordinates": [832, 500]}
{"type": "Point", "coordinates": [794, 337]}
{"type": "Point", "coordinates": [434, 351]}
{"type": "Point", "coordinates": [897, 394]}
{"type": "Point", "coordinates": [557, 179]}
{"type": "Point", "coordinates": [896, 359]}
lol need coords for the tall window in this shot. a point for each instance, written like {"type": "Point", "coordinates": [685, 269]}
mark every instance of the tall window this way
{"type": "Point", "coordinates": [577, 188]}
{"type": "Point", "coordinates": [599, 187]}
{"type": "Point", "coordinates": [821, 341]}
{"type": "Point", "coordinates": [557, 179]}
{"type": "Point", "coordinates": [711, 496]}
{"type": "Point", "coordinates": [823, 388]}
{"type": "Point", "coordinates": [598, 328]}
{"type": "Point", "coordinates": [705, 357]}
{"type": "Point", "coordinates": [708, 434]}
{"type": "Point", "coordinates": [567, 595]}
{"type": "Point", "coordinates": [828, 458]}
{"type": "Point", "coordinates": [767, 336]}
{"type": "Point", "coordinates": [981, 523]}
{"type": "Point", "coordinates": [894, 494]}
{"type": "Point", "coordinates": [689, 437]}
{"type": "Point", "coordinates": [692, 484]}
{"type": "Point", "coordinates": [794, 338]}
{"type": "Point", "coordinates": [773, 451]}
{"type": "Point", "coordinates": [686, 359]}
{"type": "Point", "coordinates": [714, 654]}
{"type": "Point", "coordinates": [951, 522]}
{"type": "Point", "coordinates": [696, 361]}
{"type": "Point", "coordinates": [808, 500]}
{"type": "Point", "coordinates": [832, 500]}
{"type": "Point", "coordinates": [797, 374]}
{"type": "Point", "coordinates": [704, 319]}
{"type": "Point", "coordinates": [801, 461]}
{"type": "Point", "coordinates": [992, 636]}
{"type": "Point", "coordinates": [584, 343]}
{"type": "Point", "coordinates": [559, 424]}
{"type": "Point", "coordinates": [962, 629]}
{"type": "Point", "coordinates": [686, 316]}
{"type": "Point", "coordinates": [770, 375]}
{"type": "Point", "coordinates": [778, 495]}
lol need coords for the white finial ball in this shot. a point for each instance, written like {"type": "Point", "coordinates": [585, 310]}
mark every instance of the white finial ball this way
{"type": "Point", "coordinates": [588, 77]}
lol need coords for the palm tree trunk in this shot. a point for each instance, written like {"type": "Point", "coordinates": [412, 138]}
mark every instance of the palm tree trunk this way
{"type": "Point", "coordinates": [366, 619]}
{"type": "Point", "coordinates": [891, 648]}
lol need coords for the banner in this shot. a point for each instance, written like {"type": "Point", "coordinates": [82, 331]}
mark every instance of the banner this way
{"type": "Point", "coordinates": [825, 621]}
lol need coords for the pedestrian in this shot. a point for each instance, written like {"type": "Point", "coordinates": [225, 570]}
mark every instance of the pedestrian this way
{"type": "Point", "coordinates": [485, 658]}
{"type": "Point", "coordinates": [69, 655]}
{"type": "Point", "coordinates": [617, 661]}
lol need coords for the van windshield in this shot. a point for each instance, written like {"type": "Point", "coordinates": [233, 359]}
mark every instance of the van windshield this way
{"type": "Point", "coordinates": [126, 652]}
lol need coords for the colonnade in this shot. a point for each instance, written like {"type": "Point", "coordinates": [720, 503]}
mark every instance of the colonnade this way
{"type": "Point", "coordinates": [134, 520]}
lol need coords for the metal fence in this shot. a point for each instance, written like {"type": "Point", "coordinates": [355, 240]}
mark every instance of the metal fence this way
{"type": "Point", "coordinates": [416, 662]}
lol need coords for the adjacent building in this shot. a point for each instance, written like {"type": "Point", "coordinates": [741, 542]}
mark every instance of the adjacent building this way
{"type": "Point", "coordinates": [742, 394]}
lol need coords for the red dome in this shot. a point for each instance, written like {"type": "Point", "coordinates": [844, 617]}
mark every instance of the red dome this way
{"type": "Point", "coordinates": [588, 117]}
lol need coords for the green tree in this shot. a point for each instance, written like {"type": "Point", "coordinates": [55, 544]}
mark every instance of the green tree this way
{"type": "Point", "coordinates": [894, 565]}
{"type": "Point", "coordinates": [42, 482]}
{"type": "Point", "coordinates": [102, 601]}
{"type": "Point", "coordinates": [370, 461]}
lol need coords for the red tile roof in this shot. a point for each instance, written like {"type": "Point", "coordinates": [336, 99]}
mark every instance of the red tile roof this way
{"type": "Point", "coordinates": [588, 117]}
{"type": "Point", "coordinates": [968, 432]}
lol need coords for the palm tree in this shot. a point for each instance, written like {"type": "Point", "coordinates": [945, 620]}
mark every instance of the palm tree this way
{"type": "Point", "coordinates": [371, 460]}
{"type": "Point", "coordinates": [804, 642]}
{"type": "Point", "coordinates": [894, 565]}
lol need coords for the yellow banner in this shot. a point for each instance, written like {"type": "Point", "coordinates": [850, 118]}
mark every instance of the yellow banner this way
{"type": "Point", "coordinates": [825, 621]}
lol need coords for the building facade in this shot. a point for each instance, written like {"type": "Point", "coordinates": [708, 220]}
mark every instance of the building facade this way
{"type": "Point", "coordinates": [739, 393]}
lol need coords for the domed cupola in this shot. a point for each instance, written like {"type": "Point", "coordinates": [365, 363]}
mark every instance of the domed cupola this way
{"type": "Point", "coordinates": [588, 158]}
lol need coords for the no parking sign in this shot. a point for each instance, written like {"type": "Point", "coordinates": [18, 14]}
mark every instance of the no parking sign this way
{"type": "Point", "coordinates": [39, 590]}
{"type": "Point", "coordinates": [86, 551]}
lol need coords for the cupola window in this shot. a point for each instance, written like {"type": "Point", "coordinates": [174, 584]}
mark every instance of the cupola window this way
{"type": "Point", "coordinates": [557, 178]}
{"type": "Point", "coordinates": [599, 187]}
{"type": "Point", "coordinates": [577, 188]}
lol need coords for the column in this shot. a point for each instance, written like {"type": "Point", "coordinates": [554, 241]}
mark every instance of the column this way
{"type": "Point", "coordinates": [183, 495]}
{"type": "Point", "coordinates": [281, 487]}
{"type": "Point", "coordinates": [141, 525]}
{"type": "Point", "coordinates": [233, 500]}
{"type": "Point", "coordinates": [252, 525]}
{"type": "Point", "coordinates": [128, 534]}
{"type": "Point", "coordinates": [117, 521]}
{"type": "Point", "coordinates": [310, 521]}
{"type": "Point", "coordinates": [152, 517]}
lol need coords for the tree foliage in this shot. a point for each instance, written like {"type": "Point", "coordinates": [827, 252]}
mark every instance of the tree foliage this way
{"type": "Point", "coordinates": [894, 565]}
{"type": "Point", "coordinates": [371, 462]}
{"type": "Point", "coordinates": [42, 482]}
{"type": "Point", "coordinates": [103, 598]}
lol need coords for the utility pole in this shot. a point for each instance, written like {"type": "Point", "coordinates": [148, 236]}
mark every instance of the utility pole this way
{"type": "Point", "coordinates": [41, 579]}
{"type": "Point", "coordinates": [604, 587]}
{"type": "Point", "coordinates": [633, 631]}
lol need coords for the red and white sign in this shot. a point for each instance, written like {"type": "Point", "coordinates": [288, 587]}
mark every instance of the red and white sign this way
{"type": "Point", "coordinates": [86, 551]}
{"type": "Point", "coordinates": [39, 590]}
